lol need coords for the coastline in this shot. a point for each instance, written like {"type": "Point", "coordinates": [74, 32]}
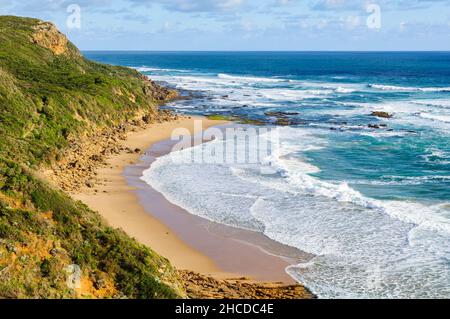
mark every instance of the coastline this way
{"type": "Point", "coordinates": [118, 204]}
{"type": "Point", "coordinates": [191, 243]}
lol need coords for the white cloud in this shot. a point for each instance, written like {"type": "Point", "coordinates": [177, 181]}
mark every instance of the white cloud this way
{"type": "Point", "coordinates": [355, 5]}
{"type": "Point", "coordinates": [353, 22]}
{"type": "Point", "coordinates": [195, 5]}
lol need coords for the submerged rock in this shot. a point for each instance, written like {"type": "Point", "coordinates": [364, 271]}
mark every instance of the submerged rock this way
{"type": "Point", "coordinates": [281, 114]}
{"type": "Point", "coordinates": [284, 122]}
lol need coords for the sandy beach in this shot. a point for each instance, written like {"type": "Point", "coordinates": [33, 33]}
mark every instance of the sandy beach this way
{"type": "Point", "coordinates": [117, 202]}
{"type": "Point", "coordinates": [189, 242]}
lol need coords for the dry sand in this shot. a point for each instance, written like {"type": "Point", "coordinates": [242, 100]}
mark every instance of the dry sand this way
{"type": "Point", "coordinates": [117, 202]}
{"type": "Point", "coordinates": [189, 242]}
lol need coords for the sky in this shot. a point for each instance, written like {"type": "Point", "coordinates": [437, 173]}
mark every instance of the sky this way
{"type": "Point", "coordinates": [245, 25]}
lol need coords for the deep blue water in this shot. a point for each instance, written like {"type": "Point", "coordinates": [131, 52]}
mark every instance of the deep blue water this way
{"type": "Point", "coordinates": [395, 67]}
{"type": "Point", "coordinates": [369, 196]}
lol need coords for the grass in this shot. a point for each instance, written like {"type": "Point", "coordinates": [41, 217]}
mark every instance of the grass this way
{"type": "Point", "coordinates": [46, 102]}
{"type": "Point", "coordinates": [46, 99]}
{"type": "Point", "coordinates": [32, 212]}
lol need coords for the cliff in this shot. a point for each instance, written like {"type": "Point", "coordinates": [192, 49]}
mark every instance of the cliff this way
{"type": "Point", "coordinates": [50, 94]}
{"type": "Point", "coordinates": [51, 97]}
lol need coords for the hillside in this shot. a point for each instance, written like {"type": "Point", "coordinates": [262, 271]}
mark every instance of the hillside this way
{"type": "Point", "coordinates": [50, 98]}
{"type": "Point", "coordinates": [50, 94]}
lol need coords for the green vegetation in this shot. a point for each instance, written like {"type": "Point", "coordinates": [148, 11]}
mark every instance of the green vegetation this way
{"type": "Point", "coordinates": [49, 96]}
{"type": "Point", "coordinates": [47, 231]}
{"type": "Point", "coordinates": [234, 118]}
{"type": "Point", "coordinates": [219, 117]}
{"type": "Point", "coordinates": [46, 98]}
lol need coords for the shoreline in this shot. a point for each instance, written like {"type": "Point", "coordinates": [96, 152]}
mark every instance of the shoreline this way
{"type": "Point", "coordinates": [118, 204]}
{"type": "Point", "coordinates": [191, 243]}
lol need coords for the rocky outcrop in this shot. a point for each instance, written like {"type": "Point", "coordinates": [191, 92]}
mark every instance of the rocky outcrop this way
{"type": "Point", "coordinates": [280, 114]}
{"type": "Point", "coordinates": [203, 287]}
{"type": "Point", "coordinates": [158, 92]}
{"type": "Point", "coordinates": [48, 36]}
{"type": "Point", "coordinates": [381, 114]}
{"type": "Point", "coordinates": [76, 168]}
{"type": "Point", "coordinates": [283, 118]}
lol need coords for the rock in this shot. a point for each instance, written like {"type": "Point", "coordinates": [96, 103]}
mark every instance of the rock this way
{"type": "Point", "coordinates": [47, 35]}
{"type": "Point", "coordinates": [382, 114]}
{"type": "Point", "coordinates": [73, 164]}
{"type": "Point", "coordinates": [11, 248]}
{"type": "Point", "coordinates": [375, 126]}
{"type": "Point", "coordinates": [56, 251]}
{"type": "Point", "coordinates": [77, 166]}
{"type": "Point", "coordinates": [147, 119]}
{"type": "Point", "coordinates": [96, 158]}
{"type": "Point", "coordinates": [281, 114]}
{"type": "Point", "coordinates": [200, 286]}
{"type": "Point", "coordinates": [283, 117]}
{"type": "Point", "coordinates": [283, 122]}
{"type": "Point", "coordinates": [99, 281]}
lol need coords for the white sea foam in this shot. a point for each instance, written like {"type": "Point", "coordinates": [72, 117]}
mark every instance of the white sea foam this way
{"type": "Point", "coordinates": [147, 69]}
{"type": "Point", "coordinates": [293, 95]}
{"type": "Point", "coordinates": [364, 247]}
{"type": "Point", "coordinates": [408, 112]}
{"type": "Point", "coordinates": [240, 89]}
{"type": "Point", "coordinates": [150, 69]}
{"type": "Point", "coordinates": [436, 117]}
{"type": "Point", "coordinates": [344, 90]}
{"type": "Point", "coordinates": [409, 89]}
{"type": "Point", "coordinates": [434, 103]}
{"type": "Point", "coordinates": [249, 79]}
{"type": "Point", "coordinates": [439, 153]}
{"type": "Point", "coordinates": [295, 173]}
{"type": "Point", "coordinates": [377, 134]}
{"type": "Point", "coordinates": [402, 180]}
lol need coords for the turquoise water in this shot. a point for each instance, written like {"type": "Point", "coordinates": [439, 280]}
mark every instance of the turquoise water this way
{"type": "Point", "coordinates": [370, 197]}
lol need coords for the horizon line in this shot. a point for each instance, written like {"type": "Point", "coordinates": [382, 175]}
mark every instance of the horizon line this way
{"type": "Point", "coordinates": [274, 51]}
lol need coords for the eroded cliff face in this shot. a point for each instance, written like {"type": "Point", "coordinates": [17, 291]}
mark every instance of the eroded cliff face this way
{"type": "Point", "coordinates": [51, 100]}
{"type": "Point", "coordinates": [158, 92]}
{"type": "Point", "coordinates": [48, 36]}
{"type": "Point", "coordinates": [50, 93]}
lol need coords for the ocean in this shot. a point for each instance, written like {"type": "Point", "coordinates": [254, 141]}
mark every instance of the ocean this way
{"type": "Point", "coordinates": [368, 196]}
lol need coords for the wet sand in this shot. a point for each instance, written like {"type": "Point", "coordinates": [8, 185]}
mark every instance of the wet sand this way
{"type": "Point", "coordinates": [189, 242]}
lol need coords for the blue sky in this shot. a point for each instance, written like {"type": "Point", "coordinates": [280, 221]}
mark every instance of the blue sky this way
{"type": "Point", "coordinates": [247, 24]}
